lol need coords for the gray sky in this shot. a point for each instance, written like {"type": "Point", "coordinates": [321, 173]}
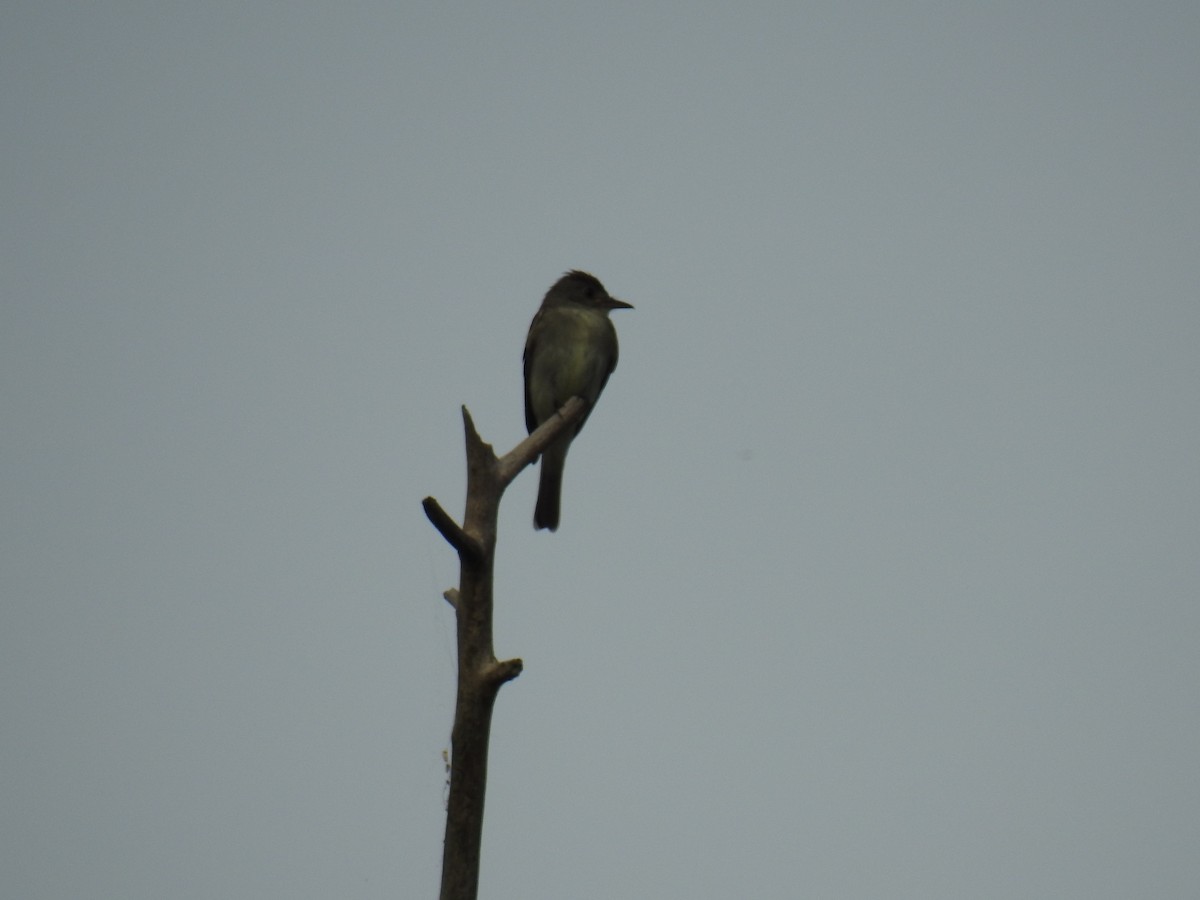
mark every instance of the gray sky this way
{"type": "Point", "coordinates": [880, 558]}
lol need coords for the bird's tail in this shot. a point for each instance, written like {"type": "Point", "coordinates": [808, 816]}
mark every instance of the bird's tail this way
{"type": "Point", "coordinates": [545, 514]}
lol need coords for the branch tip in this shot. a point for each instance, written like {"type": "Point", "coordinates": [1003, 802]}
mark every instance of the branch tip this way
{"type": "Point", "coordinates": [507, 670]}
{"type": "Point", "coordinates": [451, 531]}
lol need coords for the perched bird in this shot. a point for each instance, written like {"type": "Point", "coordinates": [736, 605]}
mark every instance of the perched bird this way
{"type": "Point", "coordinates": [570, 352]}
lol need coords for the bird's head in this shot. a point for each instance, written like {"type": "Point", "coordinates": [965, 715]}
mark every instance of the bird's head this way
{"type": "Point", "coordinates": [582, 289]}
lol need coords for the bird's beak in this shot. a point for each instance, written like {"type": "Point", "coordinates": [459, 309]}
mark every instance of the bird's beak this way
{"type": "Point", "coordinates": [614, 303]}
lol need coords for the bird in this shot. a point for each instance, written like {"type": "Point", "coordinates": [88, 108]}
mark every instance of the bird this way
{"type": "Point", "coordinates": [570, 351]}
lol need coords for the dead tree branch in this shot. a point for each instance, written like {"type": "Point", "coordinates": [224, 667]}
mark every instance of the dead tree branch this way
{"type": "Point", "coordinates": [480, 674]}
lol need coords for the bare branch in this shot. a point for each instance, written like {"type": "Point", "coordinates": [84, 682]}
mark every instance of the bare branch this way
{"type": "Point", "coordinates": [529, 449]}
{"type": "Point", "coordinates": [458, 539]}
{"type": "Point", "coordinates": [475, 444]}
{"type": "Point", "coordinates": [504, 671]}
{"type": "Point", "coordinates": [480, 674]}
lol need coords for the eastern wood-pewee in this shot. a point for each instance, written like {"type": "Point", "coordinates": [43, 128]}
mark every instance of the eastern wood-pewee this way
{"type": "Point", "coordinates": [570, 352]}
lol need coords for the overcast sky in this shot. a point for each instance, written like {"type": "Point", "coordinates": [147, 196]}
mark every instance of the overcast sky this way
{"type": "Point", "coordinates": [880, 557]}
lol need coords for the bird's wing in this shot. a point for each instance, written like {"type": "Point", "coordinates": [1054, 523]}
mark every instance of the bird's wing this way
{"type": "Point", "coordinates": [530, 420]}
